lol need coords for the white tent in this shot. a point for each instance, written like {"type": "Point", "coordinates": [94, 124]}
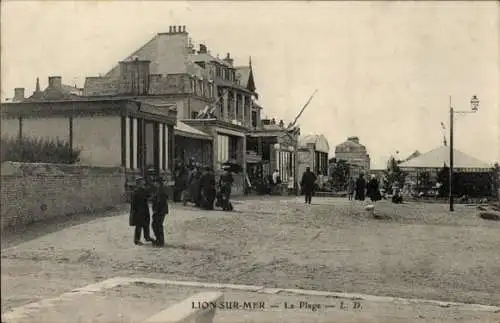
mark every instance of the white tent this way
{"type": "Point", "coordinates": [439, 157]}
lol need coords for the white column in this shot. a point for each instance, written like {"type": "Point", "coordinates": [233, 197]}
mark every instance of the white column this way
{"type": "Point", "coordinates": [135, 143]}
{"type": "Point", "coordinates": [160, 145]}
{"type": "Point", "coordinates": [127, 143]}
{"type": "Point", "coordinates": [165, 145]}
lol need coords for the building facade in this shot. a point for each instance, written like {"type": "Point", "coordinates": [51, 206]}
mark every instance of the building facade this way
{"type": "Point", "coordinates": [210, 103]}
{"type": "Point", "coordinates": [272, 146]}
{"type": "Point", "coordinates": [313, 153]}
{"type": "Point", "coordinates": [120, 131]}
{"type": "Point", "coordinates": [214, 98]}
{"type": "Point", "coordinates": [354, 154]}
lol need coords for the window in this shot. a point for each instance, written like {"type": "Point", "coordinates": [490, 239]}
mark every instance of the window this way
{"type": "Point", "coordinates": [283, 160]}
{"type": "Point", "coordinates": [254, 119]}
{"type": "Point", "coordinates": [200, 87]}
{"type": "Point", "coordinates": [218, 71]}
{"type": "Point", "coordinates": [194, 115]}
{"type": "Point", "coordinates": [193, 85]}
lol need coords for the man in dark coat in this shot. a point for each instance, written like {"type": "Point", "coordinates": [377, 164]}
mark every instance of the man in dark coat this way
{"type": "Point", "coordinates": [160, 209]}
{"type": "Point", "coordinates": [139, 211]}
{"type": "Point", "coordinates": [225, 185]}
{"type": "Point", "coordinates": [360, 188]}
{"type": "Point", "coordinates": [372, 189]}
{"type": "Point", "coordinates": [307, 184]}
{"type": "Point", "coordinates": [180, 180]}
{"type": "Point", "coordinates": [207, 189]}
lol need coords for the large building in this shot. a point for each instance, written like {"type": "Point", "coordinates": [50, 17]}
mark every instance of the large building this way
{"type": "Point", "coordinates": [354, 154]}
{"type": "Point", "coordinates": [214, 100]}
{"type": "Point", "coordinates": [110, 131]}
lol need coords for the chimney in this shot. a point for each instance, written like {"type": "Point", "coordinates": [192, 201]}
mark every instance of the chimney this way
{"type": "Point", "coordinates": [134, 77]}
{"type": "Point", "coordinates": [55, 82]}
{"type": "Point", "coordinates": [180, 29]}
{"type": "Point", "coordinates": [170, 29]}
{"type": "Point", "coordinates": [37, 87]}
{"type": "Point", "coordinates": [174, 29]}
{"type": "Point", "coordinates": [228, 59]}
{"type": "Point", "coordinates": [18, 94]}
{"type": "Point", "coordinates": [282, 124]}
{"type": "Point", "coordinates": [203, 49]}
{"type": "Point", "coordinates": [273, 121]}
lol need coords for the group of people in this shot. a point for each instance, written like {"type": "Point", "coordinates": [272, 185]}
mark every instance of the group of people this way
{"type": "Point", "coordinates": [360, 189]}
{"type": "Point", "coordinates": [140, 216]}
{"type": "Point", "coordinates": [197, 184]}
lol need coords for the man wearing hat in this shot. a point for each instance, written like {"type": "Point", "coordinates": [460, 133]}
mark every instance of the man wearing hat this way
{"type": "Point", "coordinates": [140, 217]}
{"type": "Point", "coordinates": [160, 210]}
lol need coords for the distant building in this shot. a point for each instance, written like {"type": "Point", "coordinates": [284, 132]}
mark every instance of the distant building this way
{"type": "Point", "coordinates": [313, 153]}
{"type": "Point", "coordinates": [272, 146]}
{"type": "Point", "coordinates": [354, 154]}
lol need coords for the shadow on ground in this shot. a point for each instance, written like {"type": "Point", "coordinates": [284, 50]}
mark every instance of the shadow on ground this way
{"type": "Point", "coordinates": [13, 236]}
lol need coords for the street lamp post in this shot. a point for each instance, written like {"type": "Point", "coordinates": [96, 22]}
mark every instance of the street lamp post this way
{"type": "Point", "coordinates": [474, 103]}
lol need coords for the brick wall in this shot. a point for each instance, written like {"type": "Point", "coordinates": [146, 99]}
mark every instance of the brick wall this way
{"type": "Point", "coordinates": [35, 192]}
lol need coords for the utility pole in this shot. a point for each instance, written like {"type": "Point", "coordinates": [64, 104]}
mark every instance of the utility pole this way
{"type": "Point", "coordinates": [295, 139]}
{"type": "Point", "coordinates": [451, 159]}
{"type": "Point", "coordinates": [474, 103]}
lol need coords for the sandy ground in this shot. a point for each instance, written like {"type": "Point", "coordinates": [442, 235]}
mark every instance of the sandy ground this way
{"type": "Point", "coordinates": [416, 251]}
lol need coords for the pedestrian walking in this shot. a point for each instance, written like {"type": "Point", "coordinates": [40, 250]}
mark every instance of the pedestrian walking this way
{"type": "Point", "coordinates": [351, 186]}
{"type": "Point", "coordinates": [307, 184]}
{"type": "Point", "coordinates": [140, 216]}
{"type": "Point", "coordinates": [372, 189]}
{"type": "Point", "coordinates": [360, 188]}
{"type": "Point", "coordinates": [207, 189]}
{"type": "Point", "coordinates": [276, 181]}
{"type": "Point", "coordinates": [224, 194]}
{"type": "Point", "coordinates": [160, 210]}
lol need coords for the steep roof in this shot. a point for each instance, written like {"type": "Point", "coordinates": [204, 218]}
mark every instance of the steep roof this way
{"type": "Point", "coordinates": [440, 156]}
{"type": "Point", "coordinates": [168, 54]}
{"type": "Point", "coordinates": [245, 75]}
{"type": "Point", "coordinates": [320, 142]}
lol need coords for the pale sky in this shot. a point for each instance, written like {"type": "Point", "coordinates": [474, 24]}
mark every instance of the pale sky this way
{"type": "Point", "coordinates": [384, 71]}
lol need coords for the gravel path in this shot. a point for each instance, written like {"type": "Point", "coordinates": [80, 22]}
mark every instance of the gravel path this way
{"type": "Point", "coordinates": [416, 251]}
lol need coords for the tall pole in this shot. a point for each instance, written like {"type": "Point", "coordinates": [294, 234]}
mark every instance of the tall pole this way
{"type": "Point", "coordinates": [451, 159]}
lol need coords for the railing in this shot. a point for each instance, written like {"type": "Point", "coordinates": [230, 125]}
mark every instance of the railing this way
{"type": "Point", "coordinates": [199, 308]}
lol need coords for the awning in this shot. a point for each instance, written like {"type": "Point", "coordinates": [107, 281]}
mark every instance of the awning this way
{"type": "Point", "coordinates": [182, 129]}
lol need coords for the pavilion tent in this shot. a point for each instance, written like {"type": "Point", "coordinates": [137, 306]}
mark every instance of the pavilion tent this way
{"type": "Point", "coordinates": [472, 176]}
{"type": "Point", "coordinates": [440, 157]}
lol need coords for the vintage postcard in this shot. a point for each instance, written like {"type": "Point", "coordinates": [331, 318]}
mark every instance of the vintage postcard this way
{"type": "Point", "coordinates": [250, 161]}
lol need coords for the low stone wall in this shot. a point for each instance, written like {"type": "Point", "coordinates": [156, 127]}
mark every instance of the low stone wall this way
{"type": "Point", "coordinates": [36, 192]}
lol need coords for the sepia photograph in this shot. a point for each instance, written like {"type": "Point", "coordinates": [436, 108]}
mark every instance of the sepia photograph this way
{"type": "Point", "coordinates": [250, 161]}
